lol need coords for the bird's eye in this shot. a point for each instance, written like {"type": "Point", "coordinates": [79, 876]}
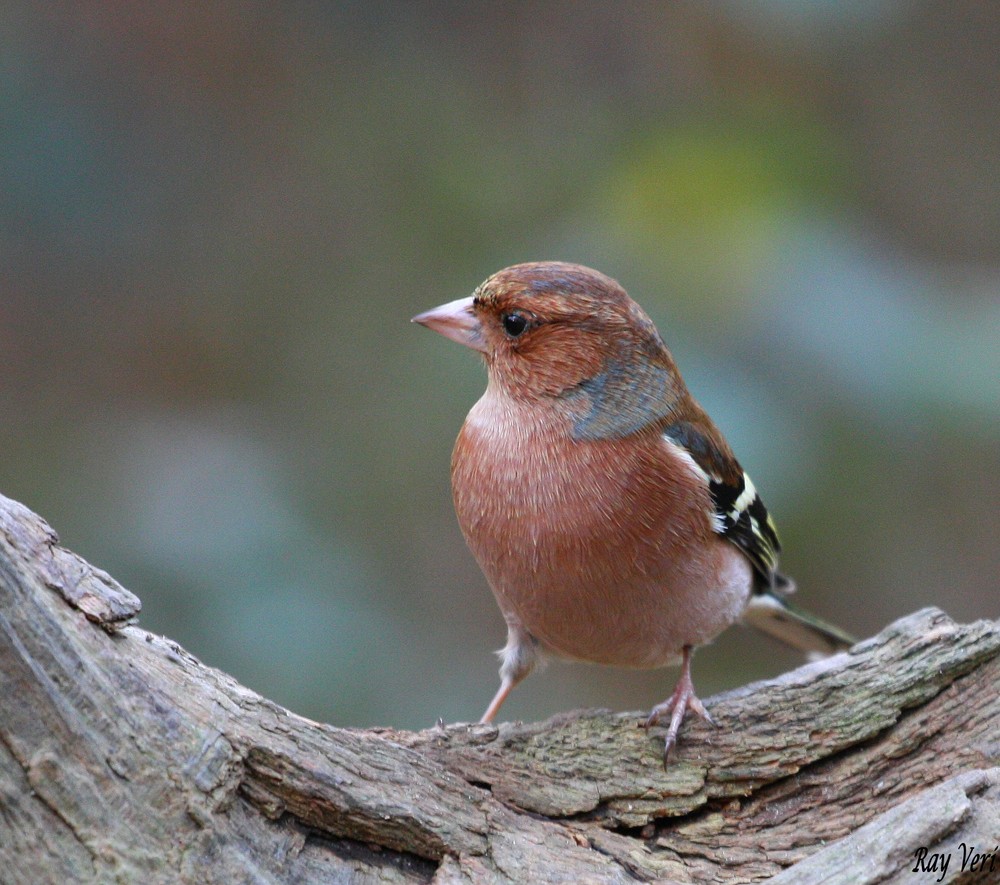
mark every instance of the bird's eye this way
{"type": "Point", "coordinates": [514, 323]}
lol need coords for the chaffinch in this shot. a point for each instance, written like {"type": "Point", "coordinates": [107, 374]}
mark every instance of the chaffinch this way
{"type": "Point", "coordinates": [607, 511]}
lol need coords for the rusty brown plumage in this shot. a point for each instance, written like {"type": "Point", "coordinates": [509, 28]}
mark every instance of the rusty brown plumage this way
{"type": "Point", "coordinates": [607, 512]}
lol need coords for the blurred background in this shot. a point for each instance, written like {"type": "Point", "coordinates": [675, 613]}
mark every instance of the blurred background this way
{"type": "Point", "coordinates": [216, 220]}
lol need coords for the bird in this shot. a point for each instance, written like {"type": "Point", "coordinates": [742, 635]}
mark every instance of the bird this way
{"type": "Point", "coordinates": [606, 510]}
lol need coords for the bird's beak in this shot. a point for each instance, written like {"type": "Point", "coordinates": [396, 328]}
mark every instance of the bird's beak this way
{"type": "Point", "coordinates": [455, 320]}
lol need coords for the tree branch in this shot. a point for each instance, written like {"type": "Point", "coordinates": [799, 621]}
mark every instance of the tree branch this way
{"type": "Point", "coordinates": [123, 758]}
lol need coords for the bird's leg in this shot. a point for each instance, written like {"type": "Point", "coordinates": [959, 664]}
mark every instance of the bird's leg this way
{"type": "Point", "coordinates": [682, 700]}
{"type": "Point", "coordinates": [519, 658]}
{"type": "Point", "coordinates": [506, 686]}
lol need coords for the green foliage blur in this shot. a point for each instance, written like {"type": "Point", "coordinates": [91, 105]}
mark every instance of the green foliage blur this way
{"type": "Point", "coordinates": [216, 221]}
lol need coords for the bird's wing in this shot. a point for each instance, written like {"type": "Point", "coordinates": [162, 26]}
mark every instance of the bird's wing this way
{"type": "Point", "coordinates": [740, 514]}
{"type": "Point", "coordinates": [632, 396]}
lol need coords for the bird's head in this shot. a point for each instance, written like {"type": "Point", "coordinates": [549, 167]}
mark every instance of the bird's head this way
{"type": "Point", "coordinates": [546, 328]}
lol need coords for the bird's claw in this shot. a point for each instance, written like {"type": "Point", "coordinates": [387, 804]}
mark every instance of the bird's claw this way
{"type": "Point", "coordinates": [677, 705]}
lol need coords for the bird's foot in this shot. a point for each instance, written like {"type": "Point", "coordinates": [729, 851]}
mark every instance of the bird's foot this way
{"type": "Point", "coordinates": [677, 705]}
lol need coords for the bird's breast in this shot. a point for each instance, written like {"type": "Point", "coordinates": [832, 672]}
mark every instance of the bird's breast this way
{"type": "Point", "coordinates": [602, 549]}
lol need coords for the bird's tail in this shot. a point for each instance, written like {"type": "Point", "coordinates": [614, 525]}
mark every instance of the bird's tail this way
{"type": "Point", "coordinates": [771, 613]}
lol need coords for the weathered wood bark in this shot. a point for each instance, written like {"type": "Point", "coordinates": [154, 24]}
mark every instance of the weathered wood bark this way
{"type": "Point", "coordinates": [124, 759]}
